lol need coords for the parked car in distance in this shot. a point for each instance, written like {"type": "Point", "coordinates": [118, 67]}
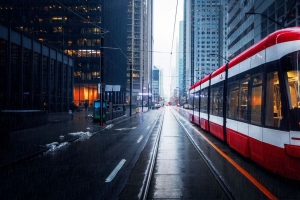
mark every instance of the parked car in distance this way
{"type": "Point", "coordinates": [155, 106]}
{"type": "Point", "coordinates": [186, 106]}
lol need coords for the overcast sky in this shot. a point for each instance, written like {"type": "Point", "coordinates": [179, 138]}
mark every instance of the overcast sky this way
{"type": "Point", "coordinates": [164, 17]}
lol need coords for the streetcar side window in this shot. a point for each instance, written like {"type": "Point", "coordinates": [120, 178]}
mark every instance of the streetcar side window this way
{"type": "Point", "coordinates": [196, 101]}
{"type": "Point", "coordinates": [216, 101]}
{"type": "Point", "coordinates": [203, 100]}
{"type": "Point", "coordinates": [233, 97]}
{"type": "Point", "coordinates": [273, 101]}
{"type": "Point", "coordinates": [294, 87]}
{"type": "Point", "coordinates": [221, 89]}
{"type": "Point", "coordinates": [290, 65]}
{"type": "Point", "coordinates": [190, 101]}
{"type": "Point", "coordinates": [256, 100]}
{"type": "Point", "coordinates": [243, 99]}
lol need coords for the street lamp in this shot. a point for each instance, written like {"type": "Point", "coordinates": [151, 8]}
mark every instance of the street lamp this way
{"type": "Point", "coordinates": [213, 54]}
{"type": "Point", "coordinates": [143, 88]}
{"type": "Point", "coordinates": [178, 95]}
{"type": "Point", "coordinates": [148, 96]}
{"type": "Point", "coordinates": [276, 22]}
{"type": "Point", "coordinates": [130, 88]}
{"type": "Point", "coordinates": [283, 19]}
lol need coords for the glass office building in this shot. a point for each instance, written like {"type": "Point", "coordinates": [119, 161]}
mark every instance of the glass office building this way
{"type": "Point", "coordinates": [139, 47]}
{"type": "Point", "coordinates": [244, 30]}
{"type": "Point", "coordinates": [34, 75]}
{"type": "Point", "coordinates": [71, 26]}
{"type": "Point", "coordinates": [204, 33]}
{"type": "Point", "coordinates": [206, 38]}
{"type": "Point", "coordinates": [89, 31]}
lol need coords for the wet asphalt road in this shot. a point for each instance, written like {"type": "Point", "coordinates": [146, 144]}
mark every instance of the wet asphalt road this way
{"type": "Point", "coordinates": [112, 164]}
{"type": "Point", "coordinates": [180, 172]}
{"type": "Point", "coordinates": [81, 170]}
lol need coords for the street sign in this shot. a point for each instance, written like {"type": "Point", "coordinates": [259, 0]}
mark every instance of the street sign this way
{"type": "Point", "coordinates": [99, 85]}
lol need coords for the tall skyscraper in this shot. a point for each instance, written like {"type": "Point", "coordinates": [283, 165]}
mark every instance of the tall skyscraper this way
{"type": "Point", "coordinates": [180, 62]}
{"type": "Point", "coordinates": [114, 47]}
{"type": "Point", "coordinates": [139, 46]}
{"type": "Point", "coordinates": [105, 38]}
{"type": "Point", "coordinates": [71, 26]}
{"type": "Point", "coordinates": [203, 30]}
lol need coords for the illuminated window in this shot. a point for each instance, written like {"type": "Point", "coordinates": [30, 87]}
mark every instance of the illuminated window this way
{"type": "Point", "coordinates": [57, 29]}
{"type": "Point", "coordinates": [56, 18]}
{"type": "Point", "coordinates": [59, 18]}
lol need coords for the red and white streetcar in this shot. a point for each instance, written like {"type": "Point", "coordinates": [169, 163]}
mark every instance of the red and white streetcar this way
{"type": "Point", "coordinates": [253, 103]}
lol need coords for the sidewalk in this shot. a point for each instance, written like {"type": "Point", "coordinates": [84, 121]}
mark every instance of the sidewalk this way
{"type": "Point", "coordinates": [54, 118]}
{"type": "Point", "coordinates": [26, 144]}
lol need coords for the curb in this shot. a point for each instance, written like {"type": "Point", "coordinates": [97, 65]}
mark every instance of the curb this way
{"type": "Point", "coordinates": [29, 157]}
{"type": "Point", "coordinates": [71, 141]}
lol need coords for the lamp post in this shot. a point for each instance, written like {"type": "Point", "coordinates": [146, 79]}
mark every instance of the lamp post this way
{"type": "Point", "coordinates": [199, 76]}
{"type": "Point", "coordinates": [276, 22]}
{"type": "Point", "coordinates": [178, 95]}
{"type": "Point", "coordinates": [102, 85]}
{"type": "Point", "coordinates": [101, 88]}
{"type": "Point", "coordinates": [130, 88]}
{"type": "Point", "coordinates": [283, 19]}
{"type": "Point", "coordinates": [143, 91]}
{"type": "Point", "coordinates": [148, 96]}
{"type": "Point", "coordinates": [213, 54]}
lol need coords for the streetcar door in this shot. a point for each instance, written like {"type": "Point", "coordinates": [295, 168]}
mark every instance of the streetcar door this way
{"type": "Point", "coordinates": [290, 66]}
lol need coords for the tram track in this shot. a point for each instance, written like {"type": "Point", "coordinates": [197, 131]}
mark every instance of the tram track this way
{"type": "Point", "coordinates": [151, 167]}
{"type": "Point", "coordinates": [214, 172]}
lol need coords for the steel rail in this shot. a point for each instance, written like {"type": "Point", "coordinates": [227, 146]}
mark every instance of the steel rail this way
{"type": "Point", "coordinates": [150, 167]}
{"type": "Point", "coordinates": [207, 162]}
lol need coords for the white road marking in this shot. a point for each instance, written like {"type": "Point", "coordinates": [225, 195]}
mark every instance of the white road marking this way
{"type": "Point", "coordinates": [148, 127]}
{"type": "Point", "coordinates": [123, 129]}
{"type": "Point", "coordinates": [109, 126]}
{"type": "Point", "coordinates": [140, 139]}
{"type": "Point", "coordinates": [115, 171]}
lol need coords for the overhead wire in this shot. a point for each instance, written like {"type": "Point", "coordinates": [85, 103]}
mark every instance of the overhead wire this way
{"type": "Point", "coordinates": [103, 31]}
{"type": "Point", "coordinates": [174, 28]}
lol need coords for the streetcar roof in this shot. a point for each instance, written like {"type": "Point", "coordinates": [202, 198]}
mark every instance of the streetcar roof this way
{"type": "Point", "coordinates": [280, 36]}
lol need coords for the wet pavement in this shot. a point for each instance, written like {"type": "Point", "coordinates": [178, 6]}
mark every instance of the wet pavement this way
{"type": "Point", "coordinates": [193, 164]}
{"type": "Point", "coordinates": [180, 173]}
{"type": "Point", "coordinates": [25, 144]}
{"type": "Point", "coordinates": [83, 170]}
